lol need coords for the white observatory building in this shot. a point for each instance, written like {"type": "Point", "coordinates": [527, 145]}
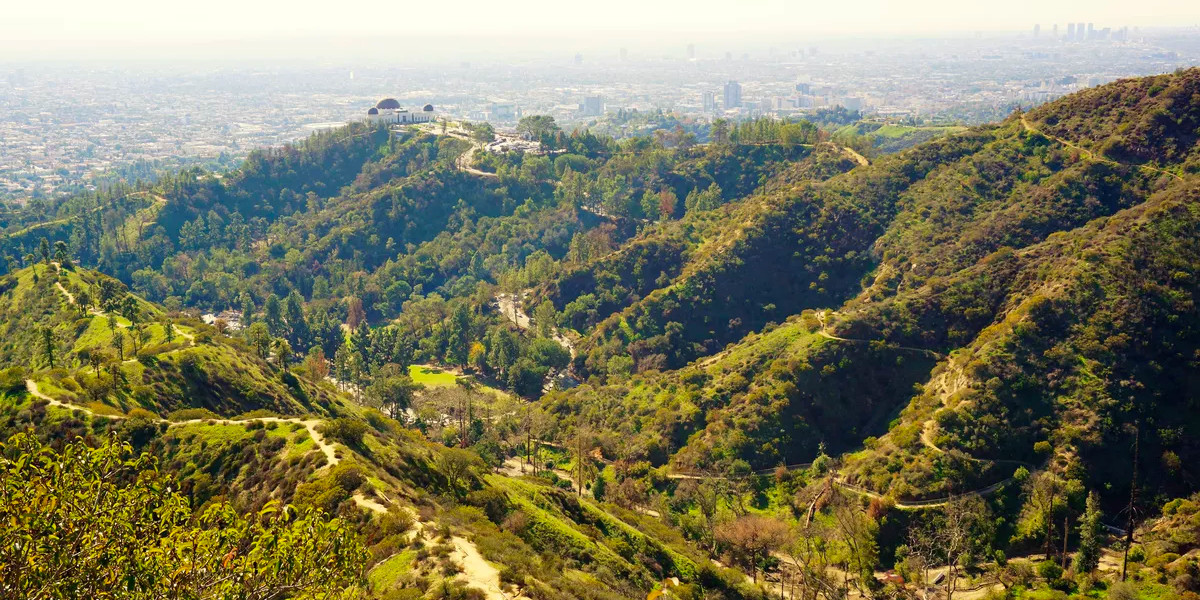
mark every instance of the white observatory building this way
{"type": "Point", "coordinates": [389, 110]}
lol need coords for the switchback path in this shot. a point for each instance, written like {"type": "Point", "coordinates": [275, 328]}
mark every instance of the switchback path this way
{"type": "Point", "coordinates": [825, 334]}
{"type": "Point", "coordinates": [191, 338]}
{"type": "Point", "coordinates": [919, 504]}
{"type": "Point", "coordinates": [945, 389]}
{"type": "Point", "coordinates": [476, 572]}
{"type": "Point", "coordinates": [1092, 156]}
{"type": "Point", "coordinates": [855, 489]}
{"type": "Point", "coordinates": [310, 425]}
{"type": "Point", "coordinates": [767, 471]}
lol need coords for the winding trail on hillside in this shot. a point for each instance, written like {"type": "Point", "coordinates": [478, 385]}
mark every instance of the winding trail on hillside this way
{"type": "Point", "coordinates": [944, 392]}
{"type": "Point", "coordinates": [310, 425]}
{"type": "Point", "coordinates": [1090, 155]}
{"type": "Point", "coordinates": [855, 489]}
{"type": "Point", "coordinates": [855, 156]}
{"type": "Point", "coordinates": [69, 295]}
{"type": "Point", "coordinates": [366, 503]}
{"type": "Point", "coordinates": [948, 383]}
{"type": "Point", "coordinates": [945, 385]}
{"type": "Point", "coordinates": [157, 198]}
{"type": "Point", "coordinates": [465, 160]}
{"type": "Point", "coordinates": [32, 387]}
{"type": "Point", "coordinates": [920, 504]}
{"type": "Point", "coordinates": [94, 311]}
{"type": "Point", "coordinates": [767, 471]}
{"type": "Point", "coordinates": [824, 332]}
{"type": "Point", "coordinates": [477, 572]}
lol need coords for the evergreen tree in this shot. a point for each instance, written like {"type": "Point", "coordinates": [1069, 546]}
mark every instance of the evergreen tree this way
{"type": "Point", "coordinates": [360, 339]}
{"type": "Point", "coordinates": [283, 352]}
{"type": "Point", "coordinates": [1088, 556]}
{"type": "Point", "coordinates": [48, 346]}
{"type": "Point", "coordinates": [503, 350]}
{"type": "Point", "coordinates": [119, 344]}
{"type": "Point", "coordinates": [60, 254]}
{"type": "Point", "coordinates": [247, 310]}
{"type": "Point", "coordinates": [274, 316]}
{"type": "Point", "coordinates": [341, 364]}
{"type": "Point", "coordinates": [458, 341]}
{"type": "Point", "coordinates": [297, 326]}
{"type": "Point", "coordinates": [83, 301]}
{"type": "Point", "coordinates": [599, 486]}
{"type": "Point", "coordinates": [260, 339]}
{"type": "Point", "coordinates": [130, 309]}
{"type": "Point", "coordinates": [650, 206]}
{"type": "Point", "coordinates": [544, 318]}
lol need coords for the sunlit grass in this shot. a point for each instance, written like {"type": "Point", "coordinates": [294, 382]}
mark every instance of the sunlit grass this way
{"type": "Point", "coordinates": [431, 376]}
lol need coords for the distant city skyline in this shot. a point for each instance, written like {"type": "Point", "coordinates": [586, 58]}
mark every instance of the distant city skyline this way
{"type": "Point", "coordinates": [84, 120]}
{"type": "Point", "coordinates": [30, 27]}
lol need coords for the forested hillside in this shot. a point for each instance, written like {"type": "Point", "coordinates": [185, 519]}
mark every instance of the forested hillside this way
{"type": "Point", "coordinates": [583, 371]}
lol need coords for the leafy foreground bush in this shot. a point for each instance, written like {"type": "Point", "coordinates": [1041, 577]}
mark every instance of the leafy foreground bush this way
{"type": "Point", "coordinates": [100, 523]}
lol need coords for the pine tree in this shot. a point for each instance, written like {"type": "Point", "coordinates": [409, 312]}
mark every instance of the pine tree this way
{"type": "Point", "coordinates": [599, 486]}
{"type": "Point", "coordinates": [274, 315]}
{"type": "Point", "coordinates": [283, 352]}
{"type": "Point", "coordinates": [544, 317]}
{"type": "Point", "coordinates": [1088, 556]}
{"type": "Point", "coordinates": [60, 254]}
{"type": "Point", "coordinates": [48, 346]}
{"type": "Point", "coordinates": [247, 310]}
{"type": "Point", "coordinates": [293, 312]}
{"type": "Point", "coordinates": [260, 339]}
{"type": "Point", "coordinates": [503, 350]}
{"type": "Point", "coordinates": [459, 341]}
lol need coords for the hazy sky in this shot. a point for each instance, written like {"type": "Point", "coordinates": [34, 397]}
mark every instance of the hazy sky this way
{"type": "Point", "coordinates": [29, 26]}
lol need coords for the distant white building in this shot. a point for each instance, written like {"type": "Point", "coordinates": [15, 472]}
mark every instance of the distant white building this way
{"type": "Point", "coordinates": [389, 110]}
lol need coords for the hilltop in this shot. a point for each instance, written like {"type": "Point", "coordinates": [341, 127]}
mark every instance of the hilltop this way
{"type": "Point", "coordinates": [82, 336]}
{"type": "Point", "coordinates": [1007, 275]}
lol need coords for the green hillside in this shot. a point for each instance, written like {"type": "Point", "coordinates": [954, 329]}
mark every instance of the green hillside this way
{"type": "Point", "coordinates": [759, 365]}
{"type": "Point", "coordinates": [960, 247]}
{"type": "Point", "coordinates": [80, 336]}
{"type": "Point", "coordinates": [415, 505]}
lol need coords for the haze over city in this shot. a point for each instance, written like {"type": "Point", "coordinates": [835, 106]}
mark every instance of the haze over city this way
{"type": "Point", "coordinates": [121, 28]}
{"type": "Point", "coordinates": [95, 92]}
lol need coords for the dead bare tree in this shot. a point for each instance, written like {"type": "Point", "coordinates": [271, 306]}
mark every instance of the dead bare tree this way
{"type": "Point", "coordinates": [953, 541]}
